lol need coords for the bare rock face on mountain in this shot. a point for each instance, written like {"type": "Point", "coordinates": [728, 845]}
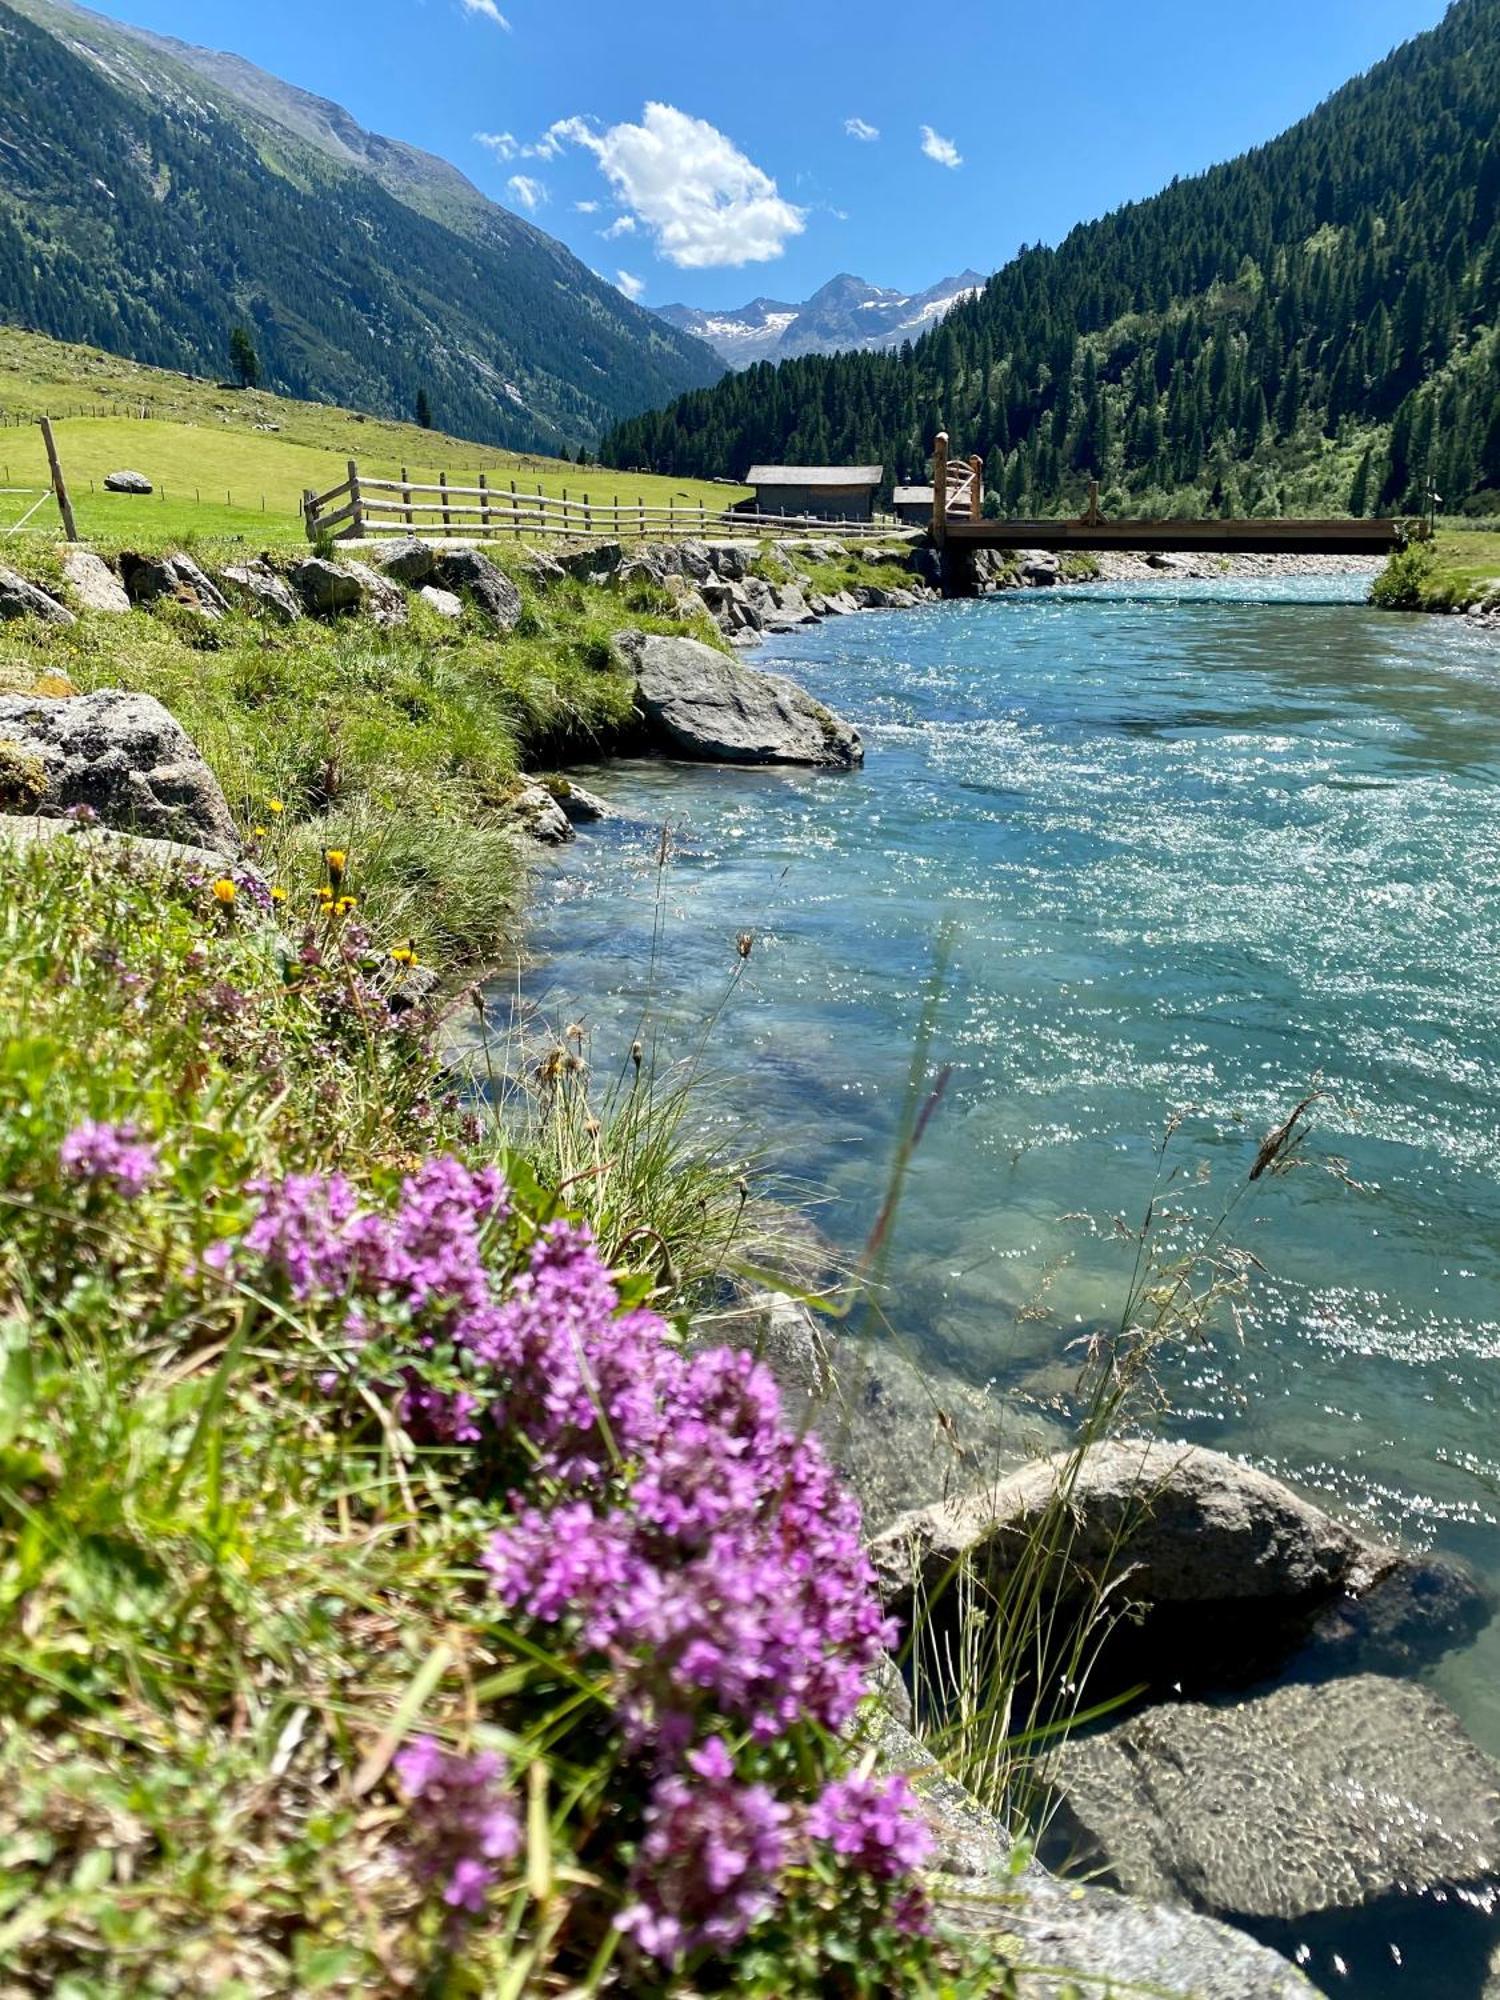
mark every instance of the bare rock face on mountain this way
{"type": "Point", "coordinates": [128, 760]}
{"type": "Point", "coordinates": [698, 704]}
{"type": "Point", "coordinates": [20, 599]}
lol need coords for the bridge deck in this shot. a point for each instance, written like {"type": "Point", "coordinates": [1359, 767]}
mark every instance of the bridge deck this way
{"type": "Point", "coordinates": [1230, 538]}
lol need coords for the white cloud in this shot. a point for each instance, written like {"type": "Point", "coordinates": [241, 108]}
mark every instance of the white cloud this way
{"type": "Point", "coordinates": [857, 128]}
{"type": "Point", "coordinates": [936, 147]}
{"type": "Point", "coordinates": [587, 207]}
{"type": "Point", "coordinates": [629, 284]}
{"type": "Point", "coordinates": [487, 10]}
{"type": "Point", "coordinates": [703, 201]}
{"type": "Point", "coordinates": [504, 145]}
{"type": "Point", "coordinates": [527, 193]}
{"type": "Point", "coordinates": [623, 225]}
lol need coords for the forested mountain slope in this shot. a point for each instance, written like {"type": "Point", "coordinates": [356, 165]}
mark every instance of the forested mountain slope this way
{"type": "Point", "coordinates": [1311, 325]}
{"type": "Point", "coordinates": [148, 209]}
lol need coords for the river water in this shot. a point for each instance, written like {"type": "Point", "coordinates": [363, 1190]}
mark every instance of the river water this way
{"type": "Point", "coordinates": [1197, 849]}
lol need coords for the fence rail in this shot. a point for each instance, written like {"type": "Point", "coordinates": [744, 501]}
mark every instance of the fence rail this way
{"type": "Point", "coordinates": [361, 507]}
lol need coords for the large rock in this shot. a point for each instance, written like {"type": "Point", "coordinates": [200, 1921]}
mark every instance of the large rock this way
{"type": "Point", "coordinates": [1313, 1802]}
{"type": "Point", "coordinates": [127, 482]}
{"type": "Point", "coordinates": [20, 599]}
{"type": "Point", "coordinates": [262, 591]}
{"type": "Point", "coordinates": [20, 832]}
{"type": "Point", "coordinates": [328, 589]}
{"type": "Point", "coordinates": [1063, 1938]}
{"type": "Point", "coordinates": [1227, 1570]}
{"type": "Point", "coordinates": [443, 602]}
{"type": "Point", "coordinates": [149, 579]}
{"type": "Point", "coordinates": [93, 582]}
{"type": "Point", "coordinates": [699, 704]}
{"type": "Point", "coordinates": [379, 598]}
{"type": "Point", "coordinates": [129, 760]}
{"type": "Point", "coordinates": [409, 561]}
{"type": "Point", "coordinates": [474, 578]}
{"type": "Point", "coordinates": [538, 814]}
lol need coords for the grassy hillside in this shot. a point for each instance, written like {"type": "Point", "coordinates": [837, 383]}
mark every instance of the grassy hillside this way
{"type": "Point", "coordinates": [152, 210]}
{"type": "Point", "coordinates": [203, 440]}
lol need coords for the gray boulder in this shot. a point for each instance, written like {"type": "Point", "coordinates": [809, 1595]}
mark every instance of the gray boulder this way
{"type": "Point", "coordinates": [379, 598]}
{"type": "Point", "coordinates": [473, 577]}
{"type": "Point", "coordinates": [543, 570]}
{"type": "Point", "coordinates": [581, 806]}
{"type": "Point", "coordinates": [93, 582]}
{"type": "Point", "coordinates": [176, 578]}
{"type": "Point", "coordinates": [731, 560]}
{"type": "Point", "coordinates": [1039, 567]}
{"type": "Point", "coordinates": [1304, 1801]}
{"type": "Point", "coordinates": [443, 602]}
{"type": "Point", "coordinates": [598, 562]}
{"type": "Point", "coordinates": [408, 561]}
{"type": "Point", "coordinates": [327, 589]}
{"type": "Point", "coordinates": [127, 758]}
{"type": "Point", "coordinates": [20, 599]}
{"type": "Point", "coordinates": [696, 561]}
{"type": "Point", "coordinates": [539, 815]}
{"type": "Point", "coordinates": [698, 704]}
{"type": "Point", "coordinates": [127, 482]}
{"type": "Point", "coordinates": [262, 591]}
{"type": "Point", "coordinates": [20, 832]}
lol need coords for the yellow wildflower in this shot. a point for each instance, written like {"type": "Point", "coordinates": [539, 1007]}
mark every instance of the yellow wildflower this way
{"type": "Point", "coordinates": [345, 904]}
{"type": "Point", "coordinates": [274, 806]}
{"type": "Point", "coordinates": [404, 955]}
{"type": "Point", "coordinates": [278, 895]}
{"type": "Point", "coordinates": [259, 832]}
{"type": "Point", "coordinates": [224, 890]}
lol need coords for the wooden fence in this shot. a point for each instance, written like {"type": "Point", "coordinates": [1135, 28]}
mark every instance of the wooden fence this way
{"type": "Point", "coordinates": [361, 507]}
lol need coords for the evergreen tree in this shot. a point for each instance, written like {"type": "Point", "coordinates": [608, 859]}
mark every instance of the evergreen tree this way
{"type": "Point", "coordinates": [423, 409]}
{"type": "Point", "coordinates": [243, 358]}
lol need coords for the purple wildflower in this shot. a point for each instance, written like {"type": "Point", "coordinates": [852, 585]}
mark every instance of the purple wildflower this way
{"type": "Point", "coordinates": [113, 1155]}
{"type": "Point", "coordinates": [460, 1825]}
{"type": "Point", "coordinates": [709, 1864]}
{"type": "Point", "coordinates": [874, 1824]}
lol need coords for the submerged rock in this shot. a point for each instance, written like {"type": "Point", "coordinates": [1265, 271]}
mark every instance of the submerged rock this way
{"type": "Point", "coordinates": [1307, 1800]}
{"type": "Point", "coordinates": [698, 704]}
{"type": "Point", "coordinates": [125, 757]}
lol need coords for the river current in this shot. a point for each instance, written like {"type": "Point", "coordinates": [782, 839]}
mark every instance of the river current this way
{"type": "Point", "coordinates": [1196, 851]}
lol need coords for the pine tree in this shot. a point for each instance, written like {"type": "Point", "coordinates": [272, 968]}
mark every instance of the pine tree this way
{"type": "Point", "coordinates": [243, 358]}
{"type": "Point", "coordinates": [423, 410]}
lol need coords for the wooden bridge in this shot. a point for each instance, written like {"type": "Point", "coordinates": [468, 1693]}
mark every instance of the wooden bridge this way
{"type": "Point", "coordinates": [958, 524]}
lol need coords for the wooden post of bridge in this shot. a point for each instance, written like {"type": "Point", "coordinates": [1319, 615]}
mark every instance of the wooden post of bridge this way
{"type": "Point", "coordinates": [976, 488]}
{"type": "Point", "coordinates": [59, 484]}
{"type": "Point", "coordinates": [356, 504]}
{"type": "Point", "coordinates": [940, 488]}
{"type": "Point", "coordinates": [1091, 518]}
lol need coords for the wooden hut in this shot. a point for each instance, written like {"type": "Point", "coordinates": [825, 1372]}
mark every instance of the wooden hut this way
{"type": "Point", "coordinates": [826, 492]}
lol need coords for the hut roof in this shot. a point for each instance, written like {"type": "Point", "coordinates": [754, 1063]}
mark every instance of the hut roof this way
{"type": "Point", "coordinates": [815, 475]}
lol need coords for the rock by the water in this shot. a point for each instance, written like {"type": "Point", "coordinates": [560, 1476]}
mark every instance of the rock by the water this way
{"type": "Point", "coordinates": [443, 602]}
{"type": "Point", "coordinates": [1227, 1569]}
{"type": "Point", "coordinates": [127, 482]}
{"type": "Point", "coordinates": [1306, 1800]}
{"type": "Point", "coordinates": [472, 576]}
{"type": "Point", "coordinates": [408, 561]}
{"type": "Point", "coordinates": [699, 704]}
{"type": "Point", "coordinates": [149, 579]}
{"type": "Point", "coordinates": [537, 813]}
{"type": "Point", "coordinates": [263, 591]}
{"type": "Point", "coordinates": [328, 589]}
{"type": "Point", "coordinates": [93, 582]}
{"type": "Point", "coordinates": [20, 599]}
{"type": "Point", "coordinates": [126, 757]}
{"type": "Point", "coordinates": [582, 807]}
{"type": "Point", "coordinates": [18, 831]}
{"type": "Point", "coordinates": [1040, 567]}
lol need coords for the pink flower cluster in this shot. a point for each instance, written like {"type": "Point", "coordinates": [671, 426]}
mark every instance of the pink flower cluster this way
{"type": "Point", "coordinates": [678, 1533]}
{"type": "Point", "coordinates": [110, 1156]}
{"type": "Point", "coordinates": [460, 1826]}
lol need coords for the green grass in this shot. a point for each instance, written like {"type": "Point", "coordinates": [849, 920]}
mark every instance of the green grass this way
{"type": "Point", "coordinates": [1458, 571]}
{"type": "Point", "coordinates": [216, 474]}
{"type": "Point", "coordinates": [401, 746]}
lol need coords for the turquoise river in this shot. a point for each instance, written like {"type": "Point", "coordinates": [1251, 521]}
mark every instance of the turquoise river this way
{"type": "Point", "coordinates": [1200, 849]}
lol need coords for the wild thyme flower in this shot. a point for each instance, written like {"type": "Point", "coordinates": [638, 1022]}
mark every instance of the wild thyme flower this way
{"type": "Point", "coordinates": [711, 1860]}
{"type": "Point", "coordinates": [112, 1155]}
{"type": "Point", "coordinates": [874, 1824]}
{"type": "Point", "coordinates": [460, 1825]}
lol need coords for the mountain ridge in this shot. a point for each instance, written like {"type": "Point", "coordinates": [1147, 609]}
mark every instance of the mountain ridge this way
{"type": "Point", "coordinates": [366, 269]}
{"type": "Point", "coordinates": [846, 314]}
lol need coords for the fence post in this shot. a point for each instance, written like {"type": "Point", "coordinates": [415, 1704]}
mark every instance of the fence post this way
{"type": "Point", "coordinates": [447, 517]}
{"type": "Point", "coordinates": [588, 516]}
{"type": "Point", "coordinates": [309, 512]}
{"type": "Point", "coordinates": [356, 503]}
{"type": "Point", "coordinates": [59, 484]}
{"type": "Point", "coordinates": [406, 500]}
{"type": "Point", "coordinates": [641, 503]}
{"type": "Point", "coordinates": [484, 503]}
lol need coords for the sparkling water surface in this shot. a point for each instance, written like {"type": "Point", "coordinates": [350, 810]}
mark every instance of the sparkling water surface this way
{"type": "Point", "coordinates": [1198, 849]}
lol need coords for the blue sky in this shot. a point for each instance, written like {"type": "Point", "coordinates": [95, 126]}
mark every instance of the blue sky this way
{"type": "Point", "coordinates": [714, 150]}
